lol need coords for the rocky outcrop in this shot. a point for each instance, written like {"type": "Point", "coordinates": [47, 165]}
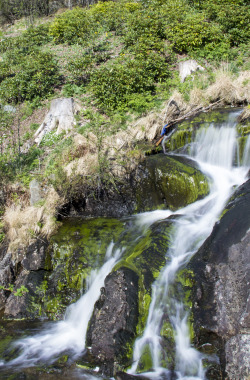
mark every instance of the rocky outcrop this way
{"type": "Point", "coordinates": [28, 272]}
{"type": "Point", "coordinates": [113, 324]}
{"type": "Point", "coordinates": [159, 182]}
{"type": "Point", "coordinates": [6, 278]}
{"type": "Point", "coordinates": [222, 304]}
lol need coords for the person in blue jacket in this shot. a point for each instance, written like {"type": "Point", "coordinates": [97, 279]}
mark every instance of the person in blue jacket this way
{"type": "Point", "coordinates": [164, 129]}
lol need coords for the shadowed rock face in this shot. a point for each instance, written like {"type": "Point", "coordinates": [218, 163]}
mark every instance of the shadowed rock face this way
{"type": "Point", "coordinates": [28, 271]}
{"type": "Point", "coordinates": [221, 292]}
{"type": "Point", "coordinates": [114, 321]}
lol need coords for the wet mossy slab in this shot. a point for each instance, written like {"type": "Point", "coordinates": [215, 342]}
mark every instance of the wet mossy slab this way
{"type": "Point", "coordinates": [78, 248]}
{"type": "Point", "coordinates": [185, 132]}
{"type": "Point", "coordinates": [169, 182]}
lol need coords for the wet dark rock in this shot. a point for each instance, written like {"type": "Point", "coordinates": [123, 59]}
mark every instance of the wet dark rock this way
{"type": "Point", "coordinates": [125, 376]}
{"type": "Point", "coordinates": [27, 270]}
{"type": "Point", "coordinates": [35, 256]}
{"type": "Point", "coordinates": [6, 278]}
{"type": "Point", "coordinates": [158, 182]}
{"type": "Point", "coordinates": [20, 306]}
{"type": "Point", "coordinates": [221, 292]}
{"type": "Point", "coordinates": [113, 324]}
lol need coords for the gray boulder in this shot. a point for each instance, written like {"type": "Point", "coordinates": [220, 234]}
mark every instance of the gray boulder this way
{"type": "Point", "coordinates": [221, 307]}
{"type": "Point", "coordinates": [113, 324]}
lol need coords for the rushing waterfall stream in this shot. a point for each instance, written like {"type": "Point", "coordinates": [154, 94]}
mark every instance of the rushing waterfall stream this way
{"type": "Point", "coordinates": [215, 151]}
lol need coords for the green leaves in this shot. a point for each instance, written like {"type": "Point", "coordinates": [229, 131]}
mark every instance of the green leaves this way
{"type": "Point", "coordinates": [34, 77]}
{"type": "Point", "coordinates": [113, 85]}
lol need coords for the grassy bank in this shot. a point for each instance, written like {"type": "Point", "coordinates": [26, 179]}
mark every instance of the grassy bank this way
{"type": "Point", "coordinates": [119, 61]}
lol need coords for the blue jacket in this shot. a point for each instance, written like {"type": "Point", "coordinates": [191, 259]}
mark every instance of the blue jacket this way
{"type": "Point", "coordinates": [164, 129]}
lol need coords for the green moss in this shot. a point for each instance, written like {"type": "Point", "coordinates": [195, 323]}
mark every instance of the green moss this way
{"type": "Point", "coordinates": [76, 249]}
{"type": "Point", "coordinates": [170, 183]}
{"type": "Point", "coordinates": [146, 362]}
{"type": "Point", "coordinates": [183, 287]}
{"type": "Point", "coordinates": [243, 130]}
{"type": "Point", "coordinates": [186, 130]}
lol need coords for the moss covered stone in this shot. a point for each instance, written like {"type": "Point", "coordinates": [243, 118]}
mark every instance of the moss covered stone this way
{"type": "Point", "coordinates": [170, 183]}
{"type": "Point", "coordinates": [76, 249]}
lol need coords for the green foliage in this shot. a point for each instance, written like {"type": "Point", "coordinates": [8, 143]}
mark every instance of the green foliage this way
{"type": "Point", "coordinates": [28, 40]}
{"type": "Point", "coordinates": [51, 138]}
{"type": "Point", "coordinates": [81, 68]}
{"type": "Point", "coordinates": [192, 33]}
{"type": "Point", "coordinates": [18, 293]}
{"type": "Point", "coordinates": [113, 15]}
{"type": "Point", "coordinates": [73, 26]}
{"type": "Point", "coordinates": [114, 84]}
{"type": "Point", "coordinates": [232, 16]}
{"type": "Point", "coordinates": [145, 27]}
{"type": "Point", "coordinates": [34, 77]}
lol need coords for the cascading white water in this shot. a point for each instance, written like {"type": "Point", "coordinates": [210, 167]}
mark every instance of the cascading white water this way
{"type": "Point", "coordinates": [246, 155]}
{"type": "Point", "coordinates": [214, 149]}
{"type": "Point", "coordinates": [70, 333]}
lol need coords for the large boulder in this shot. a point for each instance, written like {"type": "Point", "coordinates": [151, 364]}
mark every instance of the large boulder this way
{"type": "Point", "coordinates": [113, 324]}
{"type": "Point", "coordinates": [25, 275]}
{"type": "Point", "coordinates": [169, 182]}
{"type": "Point", "coordinates": [221, 292]}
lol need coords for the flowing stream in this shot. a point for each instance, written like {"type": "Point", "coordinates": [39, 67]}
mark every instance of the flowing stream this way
{"type": "Point", "coordinates": [215, 151]}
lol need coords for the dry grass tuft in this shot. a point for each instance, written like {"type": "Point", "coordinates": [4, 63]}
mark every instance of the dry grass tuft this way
{"type": "Point", "coordinates": [245, 115]}
{"type": "Point", "coordinates": [197, 97]}
{"type": "Point", "coordinates": [25, 224]}
{"type": "Point", "coordinates": [230, 90]}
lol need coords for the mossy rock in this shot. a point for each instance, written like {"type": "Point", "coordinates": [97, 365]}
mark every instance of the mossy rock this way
{"type": "Point", "coordinates": [76, 249]}
{"type": "Point", "coordinates": [186, 131]}
{"type": "Point", "coordinates": [170, 183]}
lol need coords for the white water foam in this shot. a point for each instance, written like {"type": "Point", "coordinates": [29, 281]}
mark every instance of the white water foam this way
{"type": "Point", "coordinates": [69, 334]}
{"type": "Point", "coordinates": [214, 150]}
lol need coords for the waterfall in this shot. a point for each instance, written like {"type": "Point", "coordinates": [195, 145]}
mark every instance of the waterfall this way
{"type": "Point", "coordinates": [246, 155]}
{"type": "Point", "coordinates": [70, 333]}
{"type": "Point", "coordinates": [214, 150]}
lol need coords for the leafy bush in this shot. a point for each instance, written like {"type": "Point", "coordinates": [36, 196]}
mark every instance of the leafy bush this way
{"type": "Point", "coordinates": [36, 76]}
{"type": "Point", "coordinates": [113, 15]}
{"type": "Point", "coordinates": [38, 35]}
{"type": "Point", "coordinates": [30, 38]}
{"type": "Point", "coordinates": [145, 25]}
{"type": "Point", "coordinates": [113, 84]}
{"type": "Point", "coordinates": [73, 26]}
{"type": "Point", "coordinates": [192, 33]}
{"type": "Point", "coordinates": [233, 16]}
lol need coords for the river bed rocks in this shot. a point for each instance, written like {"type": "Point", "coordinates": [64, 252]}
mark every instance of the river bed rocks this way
{"type": "Point", "coordinates": [221, 308]}
{"type": "Point", "coordinates": [113, 324]}
{"type": "Point", "coordinates": [27, 273]}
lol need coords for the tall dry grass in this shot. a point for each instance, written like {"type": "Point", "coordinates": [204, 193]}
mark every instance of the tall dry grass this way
{"type": "Point", "coordinates": [24, 224]}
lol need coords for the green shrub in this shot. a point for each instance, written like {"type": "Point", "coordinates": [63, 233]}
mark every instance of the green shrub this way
{"type": "Point", "coordinates": [35, 77]}
{"type": "Point", "coordinates": [113, 84]}
{"type": "Point", "coordinates": [232, 16]}
{"type": "Point", "coordinates": [38, 35]}
{"type": "Point", "coordinates": [192, 33]}
{"type": "Point", "coordinates": [5, 70]}
{"type": "Point", "coordinates": [145, 25]}
{"type": "Point", "coordinates": [113, 15]}
{"type": "Point", "coordinates": [81, 68]}
{"type": "Point", "coordinates": [73, 26]}
{"type": "Point", "coordinates": [28, 40]}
